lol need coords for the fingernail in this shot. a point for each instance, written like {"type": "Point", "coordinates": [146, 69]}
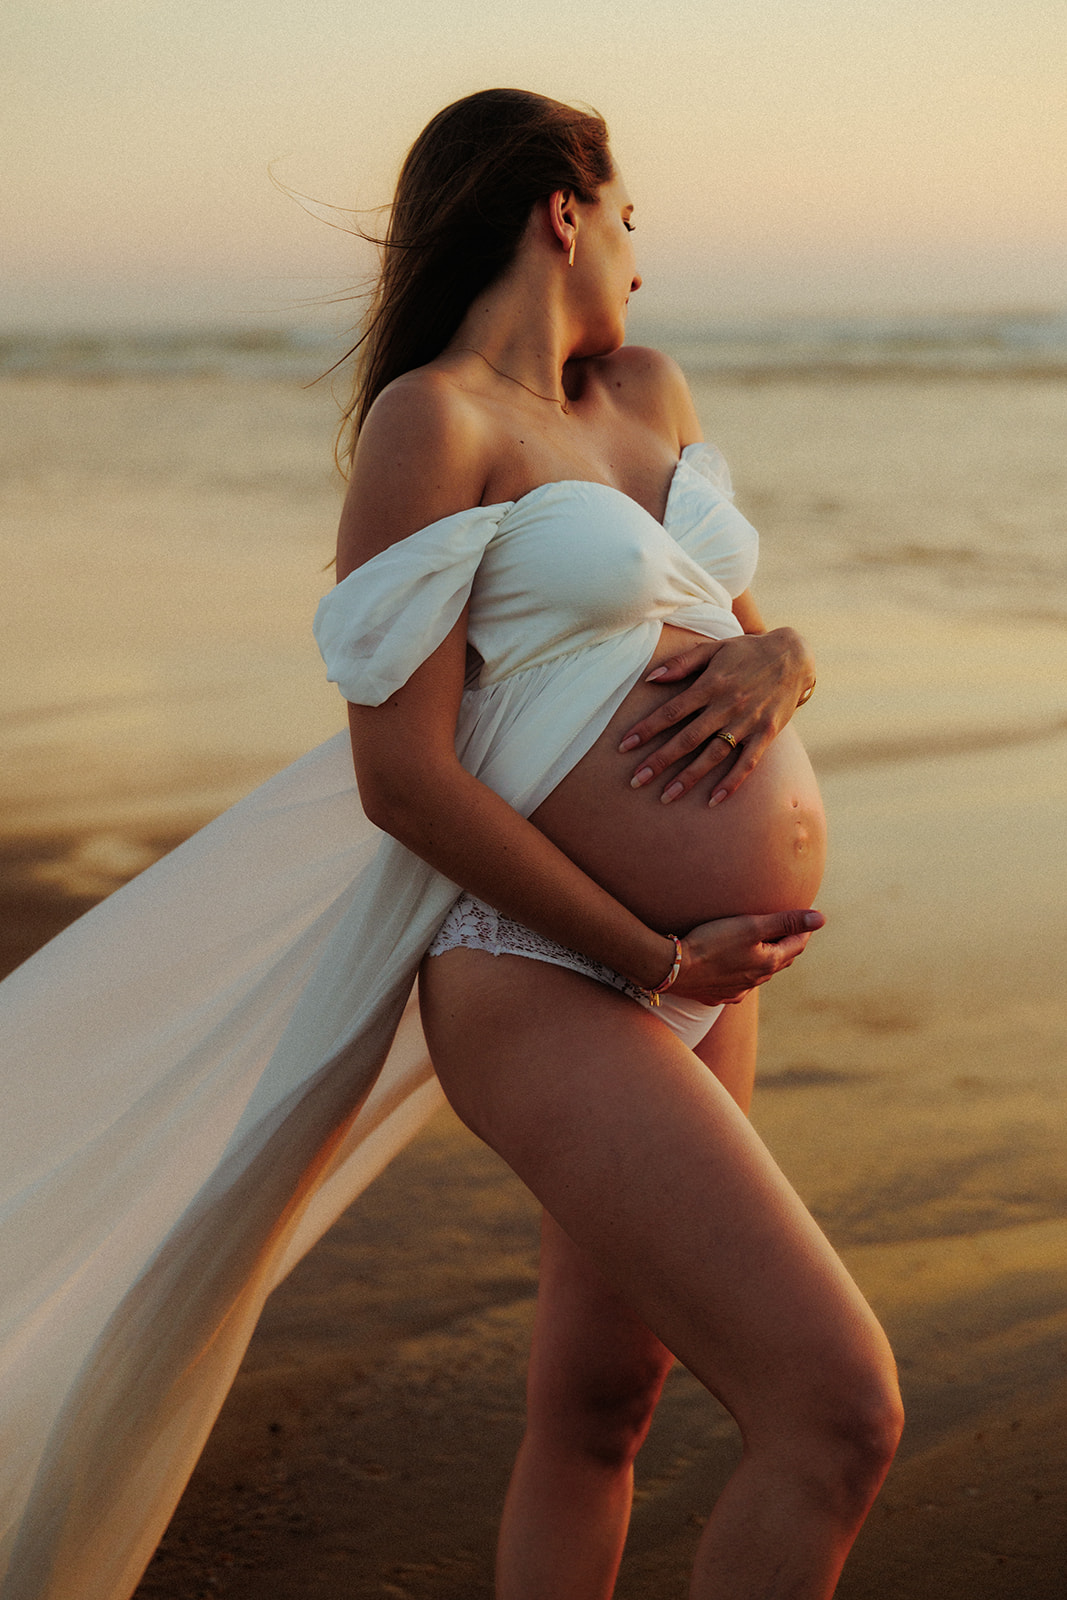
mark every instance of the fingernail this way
{"type": "Point", "coordinates": [631, 741]}
{"type": "Point", "coordinates": [640, 778]}
{"type": "Point", "coordinates": [672, 791]}
{"type": "Point", "coordinates": [813, 920]}
{"type": "Point", "coordinates": [720, 794]}
{"type": "Point", "coordinates": [657, 672]}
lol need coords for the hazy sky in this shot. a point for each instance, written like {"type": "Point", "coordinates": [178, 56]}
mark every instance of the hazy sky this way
{"type": "Point", "coordinates": [783, 154]}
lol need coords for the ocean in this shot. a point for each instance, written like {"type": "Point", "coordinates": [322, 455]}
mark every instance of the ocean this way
{"type": "Point", "coordinates": [169, 501]}
{"type": "Point", "coordinates": [1014, 343]}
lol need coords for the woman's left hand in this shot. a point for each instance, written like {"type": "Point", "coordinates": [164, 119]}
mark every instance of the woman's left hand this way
{"type": "Point", "coordinates": [748, 686]}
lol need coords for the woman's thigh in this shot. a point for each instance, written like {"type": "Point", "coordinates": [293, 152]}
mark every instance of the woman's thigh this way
{"type": "Point", "coordinates": [643, 1159]}
{"type": "Point", "coordinates": [595, 1367]}
{"type": "Point", "coordinates": [729, 1048]}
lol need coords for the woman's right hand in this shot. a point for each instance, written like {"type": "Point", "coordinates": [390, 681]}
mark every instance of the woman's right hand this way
{"type": "Point", "coordinates": [750, 685]}
{"type": "Point", "coordinates": [723, 960]}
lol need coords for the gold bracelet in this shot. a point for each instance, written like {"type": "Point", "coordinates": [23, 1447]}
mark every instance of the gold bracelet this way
{"type": "Point", "coordinates": [806, 696]}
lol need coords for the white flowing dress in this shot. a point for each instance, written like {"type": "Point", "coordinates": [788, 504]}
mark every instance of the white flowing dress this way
{"type": "Point", "coordinates": [201, 1074]}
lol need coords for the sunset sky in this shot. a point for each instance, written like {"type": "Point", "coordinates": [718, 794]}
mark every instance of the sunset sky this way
{"type": "Point", "coordinates": [784, 155]}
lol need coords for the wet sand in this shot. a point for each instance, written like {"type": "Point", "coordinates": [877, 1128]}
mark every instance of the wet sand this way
{"type": "Point", "coordinates": [912, 1086]}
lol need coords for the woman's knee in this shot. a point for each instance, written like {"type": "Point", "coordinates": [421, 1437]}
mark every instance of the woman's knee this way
{"type": "Point", "coordinates": [865, 1426]}
{"type": "Point", "coordinates": [602, 1416]}
{"type": "Point", "coordinates": [847, 1433]}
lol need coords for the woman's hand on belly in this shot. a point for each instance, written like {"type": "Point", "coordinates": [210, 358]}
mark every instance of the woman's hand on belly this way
{"type": "Point", "coordinates": [679, 866]}
{"type": "Point", "coordinates": [747, 685]}
{"type": "Point", "coordinates": [722, 961]}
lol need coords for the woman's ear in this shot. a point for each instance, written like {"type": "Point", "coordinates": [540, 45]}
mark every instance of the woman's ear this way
{"type": "Point", "coordinates": [563, 219]}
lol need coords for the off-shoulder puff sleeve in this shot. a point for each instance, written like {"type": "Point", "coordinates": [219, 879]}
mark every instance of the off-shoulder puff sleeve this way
{"type": "Point", "coordinates": [384, 619]}
{"type": "Point", "coordinates": [709, 461]}
{"type": "Point", "coordinates": [709, 527]}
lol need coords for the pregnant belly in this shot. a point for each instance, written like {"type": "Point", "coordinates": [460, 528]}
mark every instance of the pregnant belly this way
{"type": "Point", "coordinates": [676, 865]}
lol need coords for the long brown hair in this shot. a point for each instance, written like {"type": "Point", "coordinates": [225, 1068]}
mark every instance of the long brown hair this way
{"type": "Point", "coordinates": [464, 197]}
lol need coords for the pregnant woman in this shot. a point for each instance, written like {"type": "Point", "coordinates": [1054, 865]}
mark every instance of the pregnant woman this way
{"type": "Point", "coordinates": [532, 530]}
{"type": "Point", "coordinates": [581, 861]}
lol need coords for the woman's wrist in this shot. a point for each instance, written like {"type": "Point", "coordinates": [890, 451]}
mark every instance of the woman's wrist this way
{"type": "Point", "coordinates": [804, 666]}
{"type": "Point", "coordinates": [657, 964]}
{"type": "Point", "coordinates": [672, 976]}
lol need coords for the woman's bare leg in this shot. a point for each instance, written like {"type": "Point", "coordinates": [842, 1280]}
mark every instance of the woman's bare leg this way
{"type": "Point", "coordinates": [730, 1049]}
{"type": "Point", "coordinates": [595, 1376]}
{"type": "Point", "coordinates": [648, 1166]}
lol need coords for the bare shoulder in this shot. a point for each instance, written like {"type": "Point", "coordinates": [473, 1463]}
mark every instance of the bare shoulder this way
{"type": "Point", "coordinates": [650, 387]}
{"type": "Point", "coordinates": [422, 455]}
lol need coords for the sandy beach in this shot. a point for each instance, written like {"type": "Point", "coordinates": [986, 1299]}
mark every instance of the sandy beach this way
{"type": "Point", "coordinates": [156, 665]}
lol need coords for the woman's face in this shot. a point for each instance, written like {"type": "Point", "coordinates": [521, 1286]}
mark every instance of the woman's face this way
{"type": "Point", "coordinates": [604, 272]}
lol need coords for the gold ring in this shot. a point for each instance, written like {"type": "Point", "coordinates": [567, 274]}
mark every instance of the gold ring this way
{"type": "Point", "coordinates": [721, 733]}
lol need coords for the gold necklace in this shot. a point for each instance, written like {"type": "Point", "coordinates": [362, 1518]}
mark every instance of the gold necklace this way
{"type": "Point", "coordinates": [551, 398]}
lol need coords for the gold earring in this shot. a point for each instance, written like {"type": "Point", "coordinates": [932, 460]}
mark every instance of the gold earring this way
{"type": "Point", "coordinates": [570, 253]}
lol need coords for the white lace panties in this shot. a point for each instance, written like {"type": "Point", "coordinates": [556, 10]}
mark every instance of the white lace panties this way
{"type": "Point", "coordinates": [472, 925]}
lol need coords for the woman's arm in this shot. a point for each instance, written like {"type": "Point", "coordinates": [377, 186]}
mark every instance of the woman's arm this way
{"type": "Point", "coordinates": [420, 457]}
{"type": "Point", "coordinates": [413, 787]}
{"type": "Point", "coordinates": [749, 685]}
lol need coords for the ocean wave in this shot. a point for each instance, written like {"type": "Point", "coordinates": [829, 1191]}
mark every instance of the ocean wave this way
{"type": "Point", "coordinates": [1008, 343]}
{"type": "Point", "coordinates": [228, 353]}
{"type": "Point", "coordinates": [1016, 343]}
{"type": "Point", "coordinates": [933, 744]}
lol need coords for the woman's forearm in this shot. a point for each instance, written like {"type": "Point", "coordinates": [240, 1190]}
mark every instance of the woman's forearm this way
{"type": "Point", "coordinates": [474, 837]}
{"type": "Point", "coordinates": [468, 833]}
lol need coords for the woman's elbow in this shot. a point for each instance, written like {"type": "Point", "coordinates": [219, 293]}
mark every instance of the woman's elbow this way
{"type": "Point", "coordinates": [404, 772]}
{"type": "Point", "coordinates": [382, 798]}
{"type": "Point", "coordinates": [400, 801]}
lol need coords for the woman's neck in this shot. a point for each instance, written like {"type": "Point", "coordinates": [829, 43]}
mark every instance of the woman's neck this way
{"type": "Point", "coordinates": [520, 330]}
